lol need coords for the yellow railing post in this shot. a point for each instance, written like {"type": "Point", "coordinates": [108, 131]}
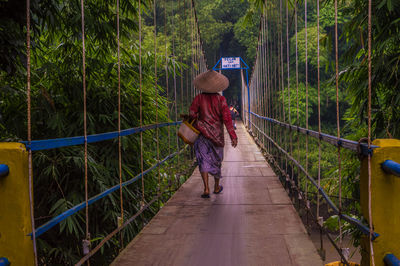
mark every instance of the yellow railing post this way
{"type": "Point", "coordinates": [15, 221]}
{"type": "Point", "coordinates": [385, 195]}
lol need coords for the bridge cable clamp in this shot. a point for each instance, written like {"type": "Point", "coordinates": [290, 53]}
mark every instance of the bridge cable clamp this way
{"type": "Point", "coordinates": [346, 253]}
{"type": "Point", "coordinates": [360, 153]}
{"type": "Point", "coordinates": [142, 204]}
{"type": "Point", "coordinates": [120, 221]}
{"type": "Point", "coordinates": [320, 221]}
{"type": "Point", "coordinates": [86, 246]}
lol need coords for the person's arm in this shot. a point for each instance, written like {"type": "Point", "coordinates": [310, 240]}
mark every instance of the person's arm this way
{"type": "Point", "coordinates": [227, 118]}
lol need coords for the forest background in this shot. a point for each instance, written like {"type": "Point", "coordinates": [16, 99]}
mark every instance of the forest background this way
{"type": "Point", "coordinates": [228, 28]}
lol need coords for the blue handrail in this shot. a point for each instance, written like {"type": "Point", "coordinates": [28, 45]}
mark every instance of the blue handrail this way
{"type": "Point", "coordinates": [391, 167]}
{"type": "Point", "coordinates": [345, 143]}
{"type": "Point", "coordinates": [37, 145]}
{"type": "Point", "coordinates": [4, 170]}
{"type": "Point", "coordinates": [391, 260]}
{"type": "Point", "coordinates": [357, 223]}
{"type": "Point", "coordinates": [56, 220]}
{"type": "Point", "coordinates": [4, 261]}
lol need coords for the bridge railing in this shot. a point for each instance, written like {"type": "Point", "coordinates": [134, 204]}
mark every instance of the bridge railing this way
{"type": "Point", "coordinates": [276, 109]}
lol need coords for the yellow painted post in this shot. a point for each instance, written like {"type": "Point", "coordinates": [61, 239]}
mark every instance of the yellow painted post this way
{"type": "Point", "coordinates": [385, 202]}
{"type": "Point", "coordinates": [15, 221]}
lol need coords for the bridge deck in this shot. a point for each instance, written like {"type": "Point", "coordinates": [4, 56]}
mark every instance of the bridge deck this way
{"type": "Point", "coordinates": [252, 222]}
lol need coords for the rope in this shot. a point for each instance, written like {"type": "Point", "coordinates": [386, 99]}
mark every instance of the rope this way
{"type": "Point", "coordinates": [371, 246]}
{"type": "Point", "coordinates": [273, 76]}
{"type": "Point", "coordinates": [337, 119]}
{"type": "Point", "coordinates": [306, 62]}
{"type": "Point", "coordinates": [281, 57]}
{"type": "Point", "coordinates": [28, 97]}
{"type": "Point", "coordinates": [288, 85]}
{"type": "Point", "coordinates": [297, 96]}
{"type": "Point", "coordinates": [283, 83]}
{"type": "Point", "coordinates": [119, 128]}
{"type": "Point", "coordinates": [181, 60]}
{"type": "Point", "coordinates": [319, 110]}
{"type": "Point", "coordinates": [186, 57]}
{"type": "Point", "coordinates": [264, 61]}
{"type": "Point", "coordinates": [167, 86]}
{"type": "Point", "coordinates": [140, 100]}
{"type": "Point", "coordinates": [156, 92]}
{"type": "Point", "coordinates": [268, 77]}
{"type": "Point", "coordinates": [191, 50]}
{"type": "Point", "coordinates": [86, 242]}
{"type": "Point", "coordinates": [319, 219]}
{"type": "Point", "coordinates": [175, 91]}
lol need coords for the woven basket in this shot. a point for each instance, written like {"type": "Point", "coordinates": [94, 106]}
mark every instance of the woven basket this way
{"type": "Point", "coordinates": [188, 133]}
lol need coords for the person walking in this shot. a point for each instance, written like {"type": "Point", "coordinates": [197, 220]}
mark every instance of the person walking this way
{"type": "Point", "coordinates": [210, 111]}
{"type": "Point", "coordinates": [234, 113]}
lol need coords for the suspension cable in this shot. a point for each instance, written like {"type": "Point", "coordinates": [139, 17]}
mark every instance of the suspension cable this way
{"type": "Point", "coordinates": [28, 97]}
{"type": "Point", "coordinates": [156, 94]}
{"type": "Point", "coordinates": [283, 89]}
{"type": "Point", "coordinates": [319, 111]}
{"type": "Point", "coordinates": [180, 59]}
{"type": "Point", "coordinates": [167, 87]}
{"type": "Point", "coordinates": [297, 96]}
{"type": "Point", "coordinates": [268, 76]}
{"type": "Point", "coordinates": [371, 246]}
{"type": "Point", "coordinates": [186, 57]}
{"type": "Point", "coordinates": [121, 220]}
{"type": "Point", "coordinates": [319, 219]}
{"type": "Point", "coordinates": [175, 87]}
{"type": "Point", "coordinates": [306, 62]}
{"type": "Point", "coordinates": [140, 101]}
{"type": "Point", "coordinates": [338, 119]}
{"type": "Point", "coordinates": [288, 86]}
{"type": "Point", "coordinates": [86, 242]}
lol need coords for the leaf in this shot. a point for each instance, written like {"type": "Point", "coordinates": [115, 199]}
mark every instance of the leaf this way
{"type": "Point", "coordinates": [332, 223]}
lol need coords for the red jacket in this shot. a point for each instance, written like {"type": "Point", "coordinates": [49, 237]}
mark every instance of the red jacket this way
{"type": "Point", "coordinates": [211, 111]}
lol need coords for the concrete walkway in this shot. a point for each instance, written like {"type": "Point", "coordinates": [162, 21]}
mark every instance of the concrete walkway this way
{"type": "Point", "coordinates": [252, 222]}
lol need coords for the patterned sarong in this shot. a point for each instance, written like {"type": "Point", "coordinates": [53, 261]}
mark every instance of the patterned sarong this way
{"type": "Point", "coordinates": [209, 156]}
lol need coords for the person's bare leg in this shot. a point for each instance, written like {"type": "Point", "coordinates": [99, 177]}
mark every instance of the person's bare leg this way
{"type": "Point", "coordinates": [205, 182]}
{"type": "Point", "coordinates": [216, 184]}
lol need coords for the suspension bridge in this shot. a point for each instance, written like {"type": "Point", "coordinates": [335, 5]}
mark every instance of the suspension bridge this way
{"type": "Point", "coordinates": [273, 190]}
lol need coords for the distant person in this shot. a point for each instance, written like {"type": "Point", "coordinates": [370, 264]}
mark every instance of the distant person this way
{"type": "Point", "coordinates": [234, 113]}
{"type": "Point", "coordinates": [210, 111]}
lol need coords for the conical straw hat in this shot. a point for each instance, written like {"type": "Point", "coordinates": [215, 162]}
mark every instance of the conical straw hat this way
{"type": "Point", "coordinates": [211, 82]}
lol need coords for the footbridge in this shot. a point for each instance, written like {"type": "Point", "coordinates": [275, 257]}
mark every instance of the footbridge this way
{"type": "Point", "coordinates": [252, 221]}
{"type": "Point", "coordinates": [119, 187]}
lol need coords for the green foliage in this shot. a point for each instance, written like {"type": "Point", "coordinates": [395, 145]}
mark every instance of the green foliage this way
{"type": "Point", "coordinates": [312, 49]}
{"type": "Point", "coordinates": [246, 32]}
{"type": "Point", "coordinates": [385, 70]}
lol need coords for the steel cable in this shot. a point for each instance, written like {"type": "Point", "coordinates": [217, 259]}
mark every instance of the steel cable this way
{"type": "Point", "coordinates": [338, 117]}
{"type": "Point", "coordinates": [29, 124]}
{"type": "Point", "coordinates": [371, 246]}
{"type": "Point", "coordinates": [86, 242]}
{"type": "Point", "coordinates": [121, 219]}
{"type": "Point", "coordinates": [156, 93]}
{"type": "Point", "coordinates": [140, 100]}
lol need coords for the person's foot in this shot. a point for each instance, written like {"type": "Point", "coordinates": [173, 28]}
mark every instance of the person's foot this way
{"type": "Point", "coordinates": [218, 189]}
{"type": "Point", "coordinates": [206, 193]}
